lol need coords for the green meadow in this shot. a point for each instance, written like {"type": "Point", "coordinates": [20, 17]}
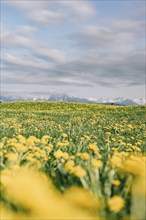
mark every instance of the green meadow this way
{"type": "Point", "coordinates": [72, 161]}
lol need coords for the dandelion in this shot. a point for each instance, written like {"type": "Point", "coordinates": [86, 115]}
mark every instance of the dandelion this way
{"type": "Point", "coordinates": [116, 182]}
{"type": "Point", "coordinates": [108, 133]}
{"type": "Point", "coordinates": [85, 156]}
{"type": "Point", "coordinates": [113, 139]}
{"type": "Point", "coordinates": [1, 145]}
{"type": "Point", "coordinates": [87, 137]}
{"type": "Point", "coordinates": [78, 171]}
{"type": "Point", "coordinates": [64, 135]}
{"type": "Point", "coordinates": [97, 163]}
{"type": "Point", "coordinates": [58, 154]}
{"type": "Point", "coordinates": [116, 203]}
{"type": "Point", "coordinates": [94, 148]}
{"type": "Point", "coordinates": [20, 147]}
{"type": "Point", "coordinates": [12, 157]}
{"type": "Point", "coordinates": [81, 198]}
{"type": "Point", "coordinates": [65, 155]}
{"type": "Point", "coordinates": [116, 161]}
{"type": "Point", "coordinates": [69, 165]}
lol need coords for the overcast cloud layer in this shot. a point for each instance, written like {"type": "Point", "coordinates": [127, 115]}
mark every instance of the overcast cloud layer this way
{"type": "Point", "coordinates": [85, 48]}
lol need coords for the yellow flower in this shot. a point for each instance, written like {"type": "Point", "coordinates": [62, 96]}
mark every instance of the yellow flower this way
{"type": "Point", "coordinates": [69, 165]}
{"type": "Point", "coordinates": [64, 135]}
{"type": "Point", "coordinates": [114, 149]}
{"type": "Point", "coordinates": [78, 171]}
{"type": "Point", "coordinates": [33, 192]}
{"type": "Point", "coordinates": [65, 155]}
{"type": "Point", "coordinates": [116, 203]}
{"type": "Point", "coordinates": [45, 139]}
{"type": "Point", "coordinates": [116, 161]}
{"type": "Point", "coordinates": [129, 145]}
{"type": "Point", "coordinates": [81, 198]}
{"type": "Point", "coordinates": [78, 154]}
{"type": "Point", "coordinates": [113, 139]}
{"type": "Point", "coordinates": [129, 126]}
{"type": "Point", "coordinates": [62, 144]}
{"type": "Point", "coordinates": [97, 163]}
{"type": "Point", "coordinates": [85, 156]}
{"type": "Point", "coordinates": [94, 148]}
{"type": "Point", "coordinates": [48, 149]}
{"type": "Point", "coordinates": [12, 157]}
{"type": "Point", "coordinates": [12, 142]}
{"type": "Point", "coordinates": [58, 154]}
{"type": "Point", "coordinates": [108, 133]}
{"type": "Point", "coordinates": [20, 147]}
{"type": "Point", "coordinates": [1, 145]}
{"type": "Point", "coordinates": [37, 154]}
{"type": "Point", "coordinates": [135, 148]}
{"type": "Point", "coordinates": [87, 137]}
{"type": "Point", "coordinates": [116, 182]}
{"type": "Point", "coordinates": [135, 165]}
{"type": "Point", "coordinates": [22, 139]}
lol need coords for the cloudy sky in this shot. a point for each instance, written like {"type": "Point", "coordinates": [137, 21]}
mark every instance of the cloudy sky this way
{"type": "Point", "coordinates": [84, 48]}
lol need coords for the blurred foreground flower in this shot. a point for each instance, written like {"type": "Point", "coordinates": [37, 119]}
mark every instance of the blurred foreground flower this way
{"type": "Point", "coordinates": [36, 198]}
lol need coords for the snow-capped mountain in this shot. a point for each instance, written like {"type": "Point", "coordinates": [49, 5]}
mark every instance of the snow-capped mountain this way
{"type": "Point", "coordinates": [122, 101]}
{"type": "Point", "coordinates": [141, 101]}
{"type": "Point", "coordinates": [66, 98]}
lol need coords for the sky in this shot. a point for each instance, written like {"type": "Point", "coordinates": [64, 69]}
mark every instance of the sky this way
{"type": "Point", "coordinates": [84, 48]}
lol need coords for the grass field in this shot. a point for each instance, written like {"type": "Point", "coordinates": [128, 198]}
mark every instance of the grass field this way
{"type": "Point", "coordinates": [72, 161]}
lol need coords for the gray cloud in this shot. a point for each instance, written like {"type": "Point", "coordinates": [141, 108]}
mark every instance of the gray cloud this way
{"type": "Point", "coordinates": [101, 37]}
{"type": "Point", "coordinates": [86, 71]}
{"type": "Point", "coordinates": [23, 38]}
{"type": "Point", "coordinates": [54, 12]}
{"type": "Point", "coordinates": [110, 55]}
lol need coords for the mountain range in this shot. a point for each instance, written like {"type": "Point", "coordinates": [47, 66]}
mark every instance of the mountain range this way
{"type": "Point", "coordinates": [66, 98]}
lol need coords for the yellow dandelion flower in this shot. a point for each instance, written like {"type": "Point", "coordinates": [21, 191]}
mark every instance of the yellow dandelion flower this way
{"type": "Point", "coordinates": [78, 154]}
{"type": "Point", "coordinates": [62, 144]}
{"type": "Point", "coordinates": [64, 135]}
{"type": "Point", "coordinates": [58, 154]}
{"type": "Point", "coordinates": [65, 155]}
{"type": "Point", "coordinates": [82, 199]}
{"type": "Point", "coordinates": [97, 163]}
{"type": "Point", "coordinates": [116, 182]}
{"type": "Point", "coordinates": [116, 161]}
{"type": "Point", "coordinates": [20, 147]}
{"type": "Point", "coordinates": [69, 165]}
{"type": "Point", "coordinates": [94, 148]}
{"type": "Point", "coordinates": [78, 171]}
{"type": "Point", "coordinates": [129, 145]}
{"type": "Point", "coordinates": [135, 165]}
{"type": "Point", "coordinates": [108, 133]}
{"type": "Point", "coordinates": [116, 203]}
{"type": "Point", "coordinates": [48, 149]}
{"type": "Point", "coordinates": [113, 139]}
{"type": "Point", "coordinates": [85, 156]}
{"type": "Point", "coordinates": [1, 145]}
{"type": "Point", "coordinates": [22, 139]}
{"type": "Point", "coordinates": [45, 139]}
{"type": "Point", "coordinates": [12, 157]}
{"type": "Point", "coordinates": [87, 137]}
{"type": "Point", "coordinates": [114, 148]}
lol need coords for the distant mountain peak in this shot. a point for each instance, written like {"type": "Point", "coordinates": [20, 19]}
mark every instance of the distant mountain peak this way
{"type": "Point", "coordinates": [68, 98]}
